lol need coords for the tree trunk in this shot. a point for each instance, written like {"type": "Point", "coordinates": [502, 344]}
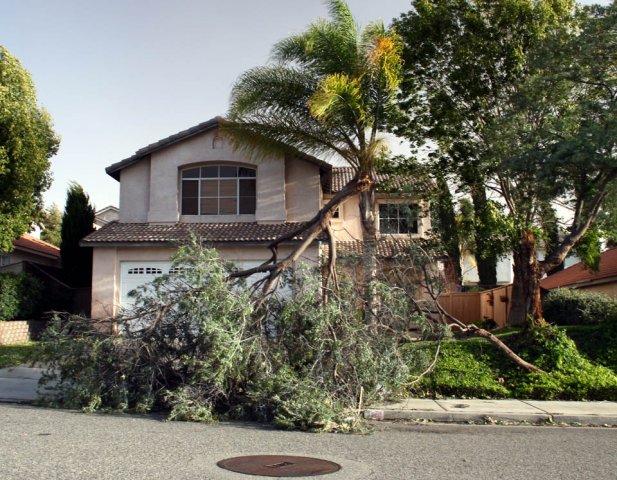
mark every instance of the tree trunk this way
{"type": "Point", "coordinates": [445, 220]}
{"type": "Point", "coordinates": [369, 251]}
{"type": "Point", "coordinates": [526, 300]}
{"type": "Point", "coordinates": [486, 260]}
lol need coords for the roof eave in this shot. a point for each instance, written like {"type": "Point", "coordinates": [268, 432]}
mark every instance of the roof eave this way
{"type": "Point", "coordinates": [115, 169]}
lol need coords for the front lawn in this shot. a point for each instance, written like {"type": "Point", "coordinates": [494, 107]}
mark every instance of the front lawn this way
{"type": "Point", "coordinates": [13, 355]}
{"type": "Point", "coordinates": [582, 369]}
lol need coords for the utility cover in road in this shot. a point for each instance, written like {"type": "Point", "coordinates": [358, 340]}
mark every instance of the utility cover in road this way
{"type": "Point", "coordinates": [279, 466]}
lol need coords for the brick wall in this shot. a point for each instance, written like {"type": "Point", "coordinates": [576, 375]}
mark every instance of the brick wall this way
{"type": "Point", "coordinates": [20, 331]}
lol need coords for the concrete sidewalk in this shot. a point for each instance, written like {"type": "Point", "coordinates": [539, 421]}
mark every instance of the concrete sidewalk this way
{"type": "Point", "coordinates": [529, 411]}
{"type": "Point", "coordinates": [20, 384]}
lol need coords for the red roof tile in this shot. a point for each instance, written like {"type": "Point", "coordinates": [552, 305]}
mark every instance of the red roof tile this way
{"type": "Point", "coordinates": [341, 176]}
{"type": "Point", "coordinates": [33, 244]}
{"type": "Point", "coordinates": [181, 232]}
{"type": "Point", "coordinates": [579, 274]}
{"type": "Point", "coordinates": [387, 247]}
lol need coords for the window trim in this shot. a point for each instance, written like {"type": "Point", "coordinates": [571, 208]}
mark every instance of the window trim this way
{"type": "Point", "coordinates": [416, 224]}
{"type": "Point", "coordinates": [201, 178]}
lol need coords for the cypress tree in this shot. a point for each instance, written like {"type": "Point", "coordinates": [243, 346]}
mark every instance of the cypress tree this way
{"type": "Point", "coordinates": [77, 222]}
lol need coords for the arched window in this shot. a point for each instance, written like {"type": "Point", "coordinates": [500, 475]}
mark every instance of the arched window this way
{"type": "Point", "coordinates": [218, 190]}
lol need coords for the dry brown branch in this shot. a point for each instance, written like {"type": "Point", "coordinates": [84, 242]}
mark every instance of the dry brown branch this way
{"type": "Point", "coordinates": [309, 232]}
{"type": "Point", "coordinates": [428, 370]}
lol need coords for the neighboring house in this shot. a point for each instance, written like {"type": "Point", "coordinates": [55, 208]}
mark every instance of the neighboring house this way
{"type": "Point", "coordinates": [29, 249]}
{"type": "Point", "coordinates": [580, 277]}
{"type": "Point", "coordinates": [505, 272]}
{"type": "Point", "coordinates": [106, 215]}
{"type": "Point", "coordinates": [194, 182]}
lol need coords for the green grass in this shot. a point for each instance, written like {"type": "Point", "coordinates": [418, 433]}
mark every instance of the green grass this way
{"type": "Point", "coordinates": [12, 355]}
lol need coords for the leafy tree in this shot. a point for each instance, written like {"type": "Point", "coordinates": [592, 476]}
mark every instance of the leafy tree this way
{"type": "Point", "coordinates": [77, 222]}
{"type": "Point", "coordinates": [461, 58]}
{"type": "Point", "coordinates": [27, 141]}
{"type": "Point", "coordinates": [330, 91]}
{"type": "Point", "coordinates": [51, 223]}
{"type": "Point", "coordinates": [557, 140]}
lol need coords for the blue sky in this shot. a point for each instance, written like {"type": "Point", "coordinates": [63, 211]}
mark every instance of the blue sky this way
{"type": "Point", "coordinates": [117, 75]}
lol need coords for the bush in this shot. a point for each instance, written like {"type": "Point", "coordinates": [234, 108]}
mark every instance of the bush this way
{"type": "Point", "coordinates": [462, 370]}
{"type": "Point", "coordinates": [570, 376]}
{"type": "Point", "coordinates": [565, 306]}
{"type": "Point", "coordinates": [598, 342]}
{"type": "Point", "coordinates": [20, 295]}
{"type": "Point", "coordinates": [474, 368]}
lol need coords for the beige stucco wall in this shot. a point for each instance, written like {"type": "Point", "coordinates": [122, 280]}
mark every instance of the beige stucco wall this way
{"type": "Point", "coordinates": [106, 268]}
{"type": "Point", "coordinates": [609, 289]}
{"type": "Point", "coordinates": [210, 147]}
{"type": "Point", "coordinates": [302, 190]}
{"type": "Point", "coordinates": [135, 192]}
{"type": "Point", "coordinates": [17, 256]}
{"type": "Point", "coordinates": [349, 224]}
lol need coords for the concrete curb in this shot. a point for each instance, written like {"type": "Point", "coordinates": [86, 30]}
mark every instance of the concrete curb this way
{"type": "Point", "coordinates": [491, 411]}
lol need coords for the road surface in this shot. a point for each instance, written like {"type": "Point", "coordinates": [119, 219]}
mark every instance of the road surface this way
{"type": "Point", "coordinates": [38, 443]}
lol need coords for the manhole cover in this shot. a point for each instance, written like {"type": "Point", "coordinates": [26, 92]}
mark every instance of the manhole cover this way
{"type": "Point", "coordinates": [279, 466]}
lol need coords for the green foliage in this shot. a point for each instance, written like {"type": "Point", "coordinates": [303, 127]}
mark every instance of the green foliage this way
{"type": "Point", "coordinates": [330, 90]}
{"type": "Point", "coordinates": [570, 375]}
{"type": "Point", "coordinates": [27, 141]}
{"type": "Point", "coordinates": [461, 372]}
{"type": "Point", "coordinates": [194, 347]}
{"type": "Point", "coordinates": [20, 296]}
{"type": "Point", "coordinates": [77, 222]}
{"type": "Point", "coordinates": [565, 306]}
{"type": "Point", "coordinates": [474, 368]}
{"type": "Point", "coordinates": [461, 60]}
{"type": "Point", "coordinates": [51, 224]}
{"type": "Point", "coordinates": [598, 342]}
{"type": "Point", "coordinates": [13, 355]}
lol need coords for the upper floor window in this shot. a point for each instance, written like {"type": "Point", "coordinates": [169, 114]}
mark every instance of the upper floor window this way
{"type": "Point", "coordinates": [395, 218]}
{"type": "Point", "coordinates": [218, 190]}
{"type": "Point", "coordinates": [4, 260]}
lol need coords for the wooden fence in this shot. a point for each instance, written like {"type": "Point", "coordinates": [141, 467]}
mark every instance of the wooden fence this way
{"type": "Point", "coordinates": [473, 307]}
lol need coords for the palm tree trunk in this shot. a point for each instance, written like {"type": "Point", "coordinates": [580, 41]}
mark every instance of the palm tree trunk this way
{"type": "Point", "coordinates": [369, 251]}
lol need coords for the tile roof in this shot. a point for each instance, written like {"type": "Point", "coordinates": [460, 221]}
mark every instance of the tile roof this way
{"type": "Point", "coordinates": [181, 232]}
{"type": "Point", "coordinates": [343, 175]}
{"type": "Point", "coordinates": [387, 247]}
{"type": "Point", "coordinates": [579, 274]}
{"type": "Point", "coordinates": [33, 244]}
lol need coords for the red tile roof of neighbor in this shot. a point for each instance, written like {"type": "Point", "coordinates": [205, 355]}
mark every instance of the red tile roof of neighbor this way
{"type": "Point", "coordinates": [579, 274]}
{"type": "Point", "coordinates": [33, 244]}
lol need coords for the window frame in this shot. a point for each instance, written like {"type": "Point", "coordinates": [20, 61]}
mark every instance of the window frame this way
{"type": "Point", "coordinates": [414, 223]}
{"type": "Point", "coordinates": [202, 177]}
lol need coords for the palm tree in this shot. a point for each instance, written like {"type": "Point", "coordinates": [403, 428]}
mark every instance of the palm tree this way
{"type": "Point", "coordinates": [329, 90]}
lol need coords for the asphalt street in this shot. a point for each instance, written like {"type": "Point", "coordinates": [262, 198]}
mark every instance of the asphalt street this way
{"type": "Point", "coordinates": [37, 443]}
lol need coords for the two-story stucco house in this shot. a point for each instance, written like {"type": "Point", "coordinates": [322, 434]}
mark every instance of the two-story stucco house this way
{"type": "Point", "coordinates": [194, 181]}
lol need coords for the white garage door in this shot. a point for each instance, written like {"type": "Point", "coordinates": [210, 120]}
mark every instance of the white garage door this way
{"type": "Point", "coordinates": [137, 274]}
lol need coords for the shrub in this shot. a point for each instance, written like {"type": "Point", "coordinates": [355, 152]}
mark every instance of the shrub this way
{"type": "Point", "coordinates": [462, 371]}
{"type": "Point", "coordinates": [598, 342]}
{"type": "Point", "coordinates": [20, 295]}
{"type": "Point", "coordinates": [474, 368]}
{"type": "Point", "coordinates": [570, 376]}
{"type": "Point", "coordinates": [564, 306]}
